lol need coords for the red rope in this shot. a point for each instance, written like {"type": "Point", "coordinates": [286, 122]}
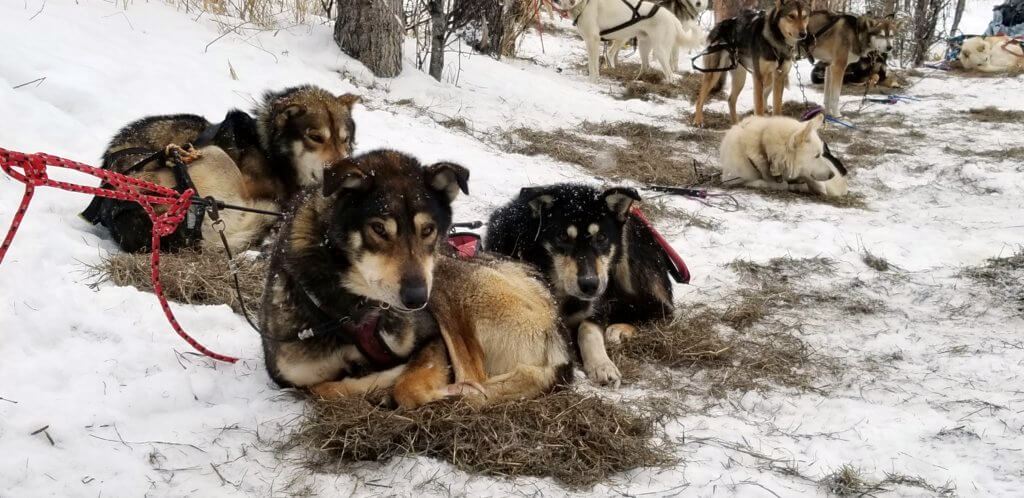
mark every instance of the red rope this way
{"type": "Point", "coordinates": [125, 188]}
{"type": "Point", "coordinates": [676, 259]}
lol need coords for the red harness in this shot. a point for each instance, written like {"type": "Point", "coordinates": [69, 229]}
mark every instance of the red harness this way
{"type": "Point", "coordinates": [148, 195]}
{"type": "Point", "coordinates": [679, 271]}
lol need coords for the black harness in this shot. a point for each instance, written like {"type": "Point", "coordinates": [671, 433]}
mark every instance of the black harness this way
{"type": "Point", "coordinates": [635, 18]}
{"type": "Point", "coordinates": [807, 44]}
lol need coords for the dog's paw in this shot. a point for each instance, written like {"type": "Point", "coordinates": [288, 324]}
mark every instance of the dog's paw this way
{"type": "Point", "coordinates": [604, 373]}
{"type": "Point", "coordinates": [616, 332]}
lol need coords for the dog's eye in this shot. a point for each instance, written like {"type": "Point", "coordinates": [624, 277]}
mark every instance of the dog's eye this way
{"type": "Point", "coordinates": [818, 156]}
{"type": "Point", "coordinates": [563, 237]}
{"type": "Point", "coordinates": [600, 237]}
{"type": "Point", "coordinates": [315, 138]}
{"type": "Point", "coordinates": [427, 231]}
{"type": "Point", "coordinates": [379, 229]}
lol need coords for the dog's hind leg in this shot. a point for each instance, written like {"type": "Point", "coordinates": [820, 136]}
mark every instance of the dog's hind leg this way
{"type": "Point", "coordinates": [834, 86]}
{"type": "Point", "coordinates": [708, 81]}
{"type": "Point", "coordinates": [758, 93]}
{"type": "Point", "coordinates": [612, 57]}
{"type": "Point", "coordinates": [739, 78]}
{"type": "Point", "coordinates": [425, 377]}
{"type": "Point", "coordinates": [664, 57]}
{"type": "Point", "coordinates": [643, 45]}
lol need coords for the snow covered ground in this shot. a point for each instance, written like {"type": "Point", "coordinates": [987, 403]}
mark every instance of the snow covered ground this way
{"type": "Point", "coordinates": [931, 385]}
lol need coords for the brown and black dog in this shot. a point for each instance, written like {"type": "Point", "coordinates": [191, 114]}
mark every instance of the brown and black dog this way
{"type": "Point", "coordinates": [256, 161]}
{"type": "Point", "coordinates": [762, 43]}
{"type": "Point", "coordinates": [361, 296]}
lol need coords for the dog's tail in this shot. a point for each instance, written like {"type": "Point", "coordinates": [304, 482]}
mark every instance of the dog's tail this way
{"type": "Point", "coordinates": [689, 35]}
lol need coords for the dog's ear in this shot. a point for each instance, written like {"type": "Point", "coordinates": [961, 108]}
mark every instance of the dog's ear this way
{"type": "Point", "coordinates": [349, 99]}
{"type": "Point", "coordinates": [812, 125]}
{"type": "Point", "coordinates": [538, 198]}
{"type": "Point", "coordinates": [284, 111]}
{"type": "Point", "coordinates": [448, 178]}
{"type": "Point", "coordinates": [866, 23]}
{"type": "Point", "coordinates": [345, 174]}
{"type": "Point", "coordinates": [619, 200]}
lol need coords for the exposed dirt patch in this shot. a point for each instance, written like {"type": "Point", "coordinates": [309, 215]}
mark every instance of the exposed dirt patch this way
{"type": "Point", "coordinates": [1004, 277]}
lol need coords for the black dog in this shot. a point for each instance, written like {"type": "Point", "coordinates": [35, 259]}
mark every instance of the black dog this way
{"type": "Point", "coordinates": [859, 72]}
{"type": "Point", "coordinates": [603, 264]}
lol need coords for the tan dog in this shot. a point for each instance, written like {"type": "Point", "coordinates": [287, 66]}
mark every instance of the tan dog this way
{"type": "Point", "coordinates": [992, 54]}
{"type": "Point", "coordinates": [842, 39]}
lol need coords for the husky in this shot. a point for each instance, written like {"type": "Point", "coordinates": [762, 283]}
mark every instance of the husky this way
{"type": "Point", "coordinates": [870, 70]}
{"type": "Point", "coordinates": [839, 40]}
{"type": "Point", "coordinates": [688, 12]}
{"type": "Point", "coordinates": [992, 54]}
{"type": "Point", "coordinates": [762, 43]}
{"type": "Point", "coordinates": [618, 21]}
{"type": "Point", "coordinates": [360, 295]}
{"type": "Point", "coordinates": [294, 133]}
{"type": "Point", "coordinates": [774, 152]}
{"type": "Point", "coordinates": [601, 262]}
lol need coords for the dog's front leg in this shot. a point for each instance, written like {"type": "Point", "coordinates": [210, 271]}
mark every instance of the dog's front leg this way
{"type": "Point", "coordinates": [596, 363]}
{"type": "Point", "coordinates": [594, 54]}
{"type": "Point", "coordinates": [778, 86]}
{"type": "Point", "coordinates": [837, 70]}
{"type": "Point", "coordinates": [357, 386]}
{"type": "Point", "coordinates": [758, 93]}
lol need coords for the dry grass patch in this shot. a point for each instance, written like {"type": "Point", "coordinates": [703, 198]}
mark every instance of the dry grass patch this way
{"type": "Point", "coordinates": [1004, 276]}
{"type": "Point", "coordinates": [190, 277]}
{"type": "Point", "coordinates": [578, 439]}
{"type": "Point", "coordinates": [992, 114]}
{"type": "Point", "coordinates": [874, 262]}
{"type": "Point", "coordinates": [657, 210]}
{"type": "Point", "coordinates": [852, 200]}
{"type": "Point", "coordinates": [652, 83]}
{"type": "Point", "coordinates": [782, 268]}
{"type": "Point", "coordinates": [651, 155]}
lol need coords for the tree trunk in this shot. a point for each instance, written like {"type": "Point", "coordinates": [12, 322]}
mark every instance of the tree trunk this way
{"type": "Point", "coordinates": [957, 15]}
{"type": "Point", "coordinates": [371, 32]}
{"type": "Point", "coordinates": [438, 33]}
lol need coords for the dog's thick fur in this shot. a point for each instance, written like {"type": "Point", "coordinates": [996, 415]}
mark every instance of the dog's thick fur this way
{"type": "Point", "coordinates": [871, 70]}
{"type": "Point", "coordinates": [295, 132]}
{"type": "Point", "coordinates": [992, 54]}
{"type": "Point", "coordinates": [764, 44]}
{"type": "Point", "coordinates": [775, 152]}
{"type": "Point", "coordinates": [839, 40]}
{"type": "Point", "coordinates": [663, 33]}
{"type": "Point", "coordinates": [603, 265]}
{"type": "Point", "coordinates": [371, 244]}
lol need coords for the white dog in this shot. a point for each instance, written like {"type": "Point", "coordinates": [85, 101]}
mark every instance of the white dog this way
{"type": "Point", "coordinates": [775, 152]}
{"type": "Point", "coordinates": [992, 54]}
{"type": "Point", "coordinates": [655, 28]}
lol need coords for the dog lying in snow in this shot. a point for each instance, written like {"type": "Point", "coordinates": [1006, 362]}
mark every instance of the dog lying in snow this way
{"type": "Point", "coordinates": [992, 54]}
{"type": "Point", "coordinates": [779, 153]}
{"type": "Point", "coordinates": [655, 28]}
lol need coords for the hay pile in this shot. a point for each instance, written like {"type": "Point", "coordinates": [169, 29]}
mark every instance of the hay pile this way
{"type": "Point", "coordinates": [578, 439]}
{"type": "Point", "coordinates": [993, 114]}
{"type": "Point", "coordinates": [190, 277]}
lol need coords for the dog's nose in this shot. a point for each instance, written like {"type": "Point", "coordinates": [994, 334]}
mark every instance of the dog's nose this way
{"type": "Point", "coordinates": [588, 284]}
{"type": "Point", "coordinates": [414, 296]}
{"type": "Point", "coordinates": [803, 34]}
{"type": "Point", "coordinates": [888, 48]}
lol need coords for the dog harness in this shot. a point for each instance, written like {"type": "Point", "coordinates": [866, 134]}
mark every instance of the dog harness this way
{"type": "Point", "coordinates": [635, 18]}
{"type": "Point", "coordinates": [190, 231]}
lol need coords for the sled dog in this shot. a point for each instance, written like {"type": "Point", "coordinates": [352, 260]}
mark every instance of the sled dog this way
{"type": "Point", "coordinates": [618, 21]}
{"type": "Point", "coordinates": [603, 265]}
{"type": "Point", "coordinates": [688, 12]}
{"type": "Point", "coordinates": [840, 40]}
{"type": "Point", "coordinates": [871, 70]}
{"type": "Point", "coordinates": [284, 147]}
{"type": "Point", "coordinates": [992, 54]}
{"type": "Point", "coordinates": [775, 152]}
{"type": "Point", "coordinates": [361, 295]}
{"type": "Point", "coordinates": [761, 43]}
